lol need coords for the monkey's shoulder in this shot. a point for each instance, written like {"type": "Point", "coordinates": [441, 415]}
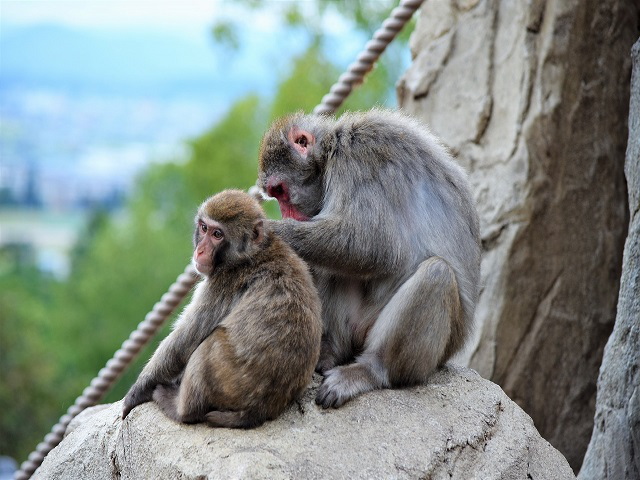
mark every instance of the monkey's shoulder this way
{"type": "Point", "coordinates": [381, 124]}
{"type": "Point", "coordinates": [279, 257]}
{"type": "Point", "coordinates": [383, 141]}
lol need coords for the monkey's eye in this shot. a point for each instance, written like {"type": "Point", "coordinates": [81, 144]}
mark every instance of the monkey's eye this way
{"type": "Point", "coordinates": [203, 227]}
{"type": "Point", "coordinates": [302, 141]}
{"type": "Point", "coordinates": [218, 234]}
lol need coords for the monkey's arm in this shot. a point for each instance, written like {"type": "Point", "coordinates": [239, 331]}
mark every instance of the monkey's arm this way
{"type": "Point", "coordinates": [165, 366]}
{"type": "Point", "coordinates": [336, 244]}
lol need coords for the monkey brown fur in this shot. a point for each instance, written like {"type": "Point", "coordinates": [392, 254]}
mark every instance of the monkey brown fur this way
{"type": "Point", "coordinates": [248, 342]}
{"type": "Point", "coordinates": [386, 220]}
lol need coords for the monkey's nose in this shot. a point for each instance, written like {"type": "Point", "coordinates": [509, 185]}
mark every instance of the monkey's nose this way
{"type": "Point", "coordinates": [276, 190]}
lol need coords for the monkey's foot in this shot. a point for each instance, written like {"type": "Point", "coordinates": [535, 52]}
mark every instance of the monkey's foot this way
{"type": "Point", "coordinates": [341, 384]}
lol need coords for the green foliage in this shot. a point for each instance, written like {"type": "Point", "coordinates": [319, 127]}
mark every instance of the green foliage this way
{"type": "Point", "coordinates": [226, 156]}
{"type": "Point", "coordinates": [225, 34]}
{"type": "Point", "coordinates": [310, 78]}
{"type": "Point", "coordinates": [27, 396]}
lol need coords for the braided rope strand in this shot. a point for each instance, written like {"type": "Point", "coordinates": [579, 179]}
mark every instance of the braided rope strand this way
{"type": "Point", "coordinates": [113, 369]}
{"type": "Point", "coordinates": [364, 62]}
{"type": "Point", "coordinates": [146, 329]}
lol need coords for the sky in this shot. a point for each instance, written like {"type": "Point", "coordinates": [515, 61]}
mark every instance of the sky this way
{"type": "Point", "coordinates": [186, 16]}
{"type": "Point", "coordinates": [183, 15]}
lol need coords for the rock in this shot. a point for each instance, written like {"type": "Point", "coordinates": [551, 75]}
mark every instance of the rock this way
{"type": "Point", "coordinates": [614, 450]}
{"type": "Point", "coordinates": [532, 97]}
{"type": "Point", "coordinates": [457, 426]}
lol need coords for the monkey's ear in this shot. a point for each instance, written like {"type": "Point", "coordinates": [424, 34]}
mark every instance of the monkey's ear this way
{"type": "Point", "coordinates": [258, 231]}
{"type": "Point", "coordinates": [301, 140]}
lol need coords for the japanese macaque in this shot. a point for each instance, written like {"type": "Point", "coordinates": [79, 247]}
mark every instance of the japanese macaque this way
{"type": "Point", "coordinates": [248, 342]}
{"type": "Point", "coordinates": [386, 219]}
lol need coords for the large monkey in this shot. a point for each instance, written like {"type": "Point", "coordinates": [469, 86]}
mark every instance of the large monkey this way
{"type": "Point", "coordinates": [248, 342]}
{"type": "Point", "coordinates": [386, 219]}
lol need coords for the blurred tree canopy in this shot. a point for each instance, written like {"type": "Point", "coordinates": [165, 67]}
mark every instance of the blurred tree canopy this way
{"type": "Point", "coordinates": [56, 335]}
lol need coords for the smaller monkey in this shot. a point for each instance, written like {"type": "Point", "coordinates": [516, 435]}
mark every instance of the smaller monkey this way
{"type": "Point", "coordinates": [248, 342]}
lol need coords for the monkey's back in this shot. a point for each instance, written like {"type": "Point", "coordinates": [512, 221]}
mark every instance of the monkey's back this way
{"type": "Point", "coordinates": [264, 351]}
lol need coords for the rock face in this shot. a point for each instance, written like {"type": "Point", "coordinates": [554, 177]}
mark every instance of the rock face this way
{"type": "Point", "coordinates": [458, 426]}
{"type": "Point", "coordinates": [533, 98]}
{"type": "Point", "coordinates": [614, 451]}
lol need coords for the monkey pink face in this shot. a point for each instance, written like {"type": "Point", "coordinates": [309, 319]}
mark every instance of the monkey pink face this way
{"type": "Point", "coordinates": [301, 141]}
{"type": "Point", "coordinates": [209, 236]}
{"type": "Point", "coordinates": [280, 191]}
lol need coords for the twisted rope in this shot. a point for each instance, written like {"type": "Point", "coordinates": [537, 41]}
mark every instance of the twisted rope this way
{"type": "Point", "coordinates": [364, 62]}
{"type": "Point", "coordinates": [152, 322]}
{"type": "Point", "coordinates": [113, 369]}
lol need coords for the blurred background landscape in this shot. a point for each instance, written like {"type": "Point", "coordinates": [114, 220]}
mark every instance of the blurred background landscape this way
{"type": "Point", "coordinates": [117, 118]}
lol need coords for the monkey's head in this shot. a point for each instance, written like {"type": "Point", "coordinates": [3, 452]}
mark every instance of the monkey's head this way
{"type": "Point", "coordinates": [229, 230]}
{"type": "Point", "coordinates": [293, 155]}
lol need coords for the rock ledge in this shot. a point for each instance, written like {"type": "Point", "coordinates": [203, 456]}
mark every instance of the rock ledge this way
{"type": "Point", "coordinates": [457, 426]}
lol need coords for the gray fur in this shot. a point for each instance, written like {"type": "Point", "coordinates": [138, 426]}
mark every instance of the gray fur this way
{"type": "Point", "coordinates": [387, 199]}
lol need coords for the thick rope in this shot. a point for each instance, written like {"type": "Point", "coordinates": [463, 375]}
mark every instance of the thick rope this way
{"type": "Point", "coordinates": [364, 62]}
{"type": "Point", "coordinates": [146, 329]}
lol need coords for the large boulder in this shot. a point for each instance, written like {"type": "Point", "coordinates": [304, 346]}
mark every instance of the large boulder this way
{"type": "Point", "coordinates": [457, 426]}
{"type": "Point", "coordinates": [532, 97]}
{"type": "Point", "coordinates": [614, 450]}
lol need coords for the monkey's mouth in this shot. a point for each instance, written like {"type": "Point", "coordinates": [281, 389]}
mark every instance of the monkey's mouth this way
{"type": "Point", "coordinates": [290, 211]}
{"type": "Point", "coordinates": [201, 268]}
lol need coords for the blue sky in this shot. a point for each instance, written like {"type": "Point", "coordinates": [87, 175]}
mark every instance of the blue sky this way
{"type": "Point", "coordinates": [184, 16]}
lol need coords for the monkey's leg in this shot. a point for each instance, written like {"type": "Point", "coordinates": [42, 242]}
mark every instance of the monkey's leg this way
{"type": "Point", "coordinates": [190, 401]}
{"type": "Point", "coordinates": [182, 403]}
{"type": "Point", "coordinates": [336, 346]}
{"type": "Point", "coordinates": [165, 396]}
{"type": "Point", "coordinates": [197, 394]}
{"type": "Point", "coordinates": [408, 340]}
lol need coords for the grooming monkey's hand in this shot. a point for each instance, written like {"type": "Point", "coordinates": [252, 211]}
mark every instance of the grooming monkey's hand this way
{"type": "Point", "coordinates": [140, 392]}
